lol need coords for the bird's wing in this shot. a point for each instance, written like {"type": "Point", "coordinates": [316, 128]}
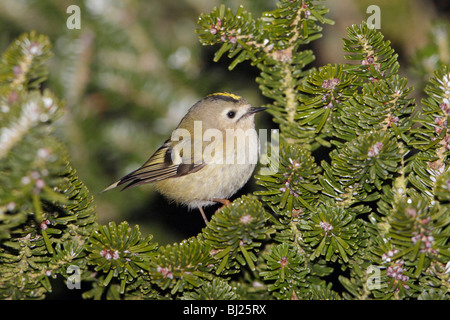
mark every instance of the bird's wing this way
{"type": "Point", "coordinates": [167, 162]}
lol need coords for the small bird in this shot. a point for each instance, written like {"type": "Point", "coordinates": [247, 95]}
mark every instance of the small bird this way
{"type": "Point", "coordinates": [206, 160]}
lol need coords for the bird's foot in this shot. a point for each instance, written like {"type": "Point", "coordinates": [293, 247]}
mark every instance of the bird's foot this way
{"type": "Point", "coordinates": [224, 202]}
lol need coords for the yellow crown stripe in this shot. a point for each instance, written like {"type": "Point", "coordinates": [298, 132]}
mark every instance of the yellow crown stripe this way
{"type": "Point", "coordinates": [225, 94]}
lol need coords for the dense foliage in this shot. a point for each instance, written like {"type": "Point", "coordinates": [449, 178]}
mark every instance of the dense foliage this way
{"type": "Point", "coordinates": [358, 207]}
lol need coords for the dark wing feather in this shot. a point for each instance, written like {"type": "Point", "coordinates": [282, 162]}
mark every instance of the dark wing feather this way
{"type": "Point", "coordinates": [158, 167]}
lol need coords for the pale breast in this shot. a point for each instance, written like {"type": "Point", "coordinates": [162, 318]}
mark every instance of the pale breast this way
{"type": "Point", "coordinates": [228, 168]}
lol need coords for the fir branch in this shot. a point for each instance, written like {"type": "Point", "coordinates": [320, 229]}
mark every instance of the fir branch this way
{"type": "Point", "coordinates": [119, 251]}
{"type": "Point", "coordinates": [376, 57]}
{"type": "Point", "coordinates": [235, 233]}
{"type": "Point", "coordinates": [182, 266]}
{"type": "Point", "coordinates": [294, 186]}
{"type": "Point", "coordinates": [22, 65]}
{"type": "Point", "coordinates": [287, 269]}
{"type": "Point", "coordinates": [217, 289]}
{"type": "Point", "coordinates": [46, 212]}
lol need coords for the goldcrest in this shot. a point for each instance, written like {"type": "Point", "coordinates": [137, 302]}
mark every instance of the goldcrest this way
{"type": "Point", "coordinates": [209, 156]}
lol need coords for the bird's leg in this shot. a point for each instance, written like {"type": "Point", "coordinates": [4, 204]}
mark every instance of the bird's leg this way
{"type": "Point", "coordinates": [203, 214]}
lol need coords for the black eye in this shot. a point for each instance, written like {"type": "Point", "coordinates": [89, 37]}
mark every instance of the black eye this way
{"type": "Point", "coordinates": [231, 114]}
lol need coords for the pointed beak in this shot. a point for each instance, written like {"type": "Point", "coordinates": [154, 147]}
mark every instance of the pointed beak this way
{"type": "Point", "coordinates": [252, 111]}
{"type": "Point", "coordinates": [255, 110]}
